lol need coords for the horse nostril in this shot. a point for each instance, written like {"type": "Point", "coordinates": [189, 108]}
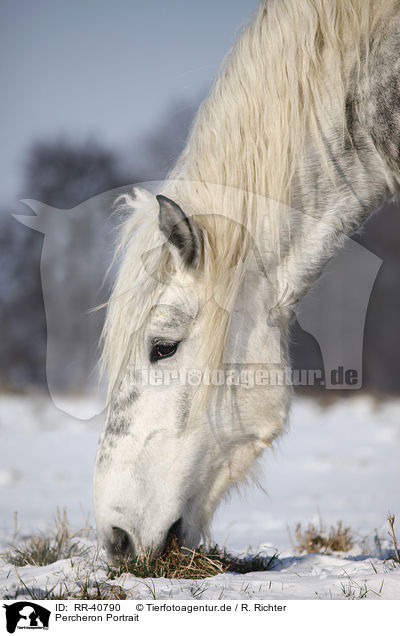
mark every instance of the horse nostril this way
{"type": "Point", "coordinates": [120, 543]}
{"type": "Point", "coordinates": [174, 534]}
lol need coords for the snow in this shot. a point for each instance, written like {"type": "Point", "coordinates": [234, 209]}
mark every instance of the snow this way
{"type": "Point", "coordinates": [337, 462]}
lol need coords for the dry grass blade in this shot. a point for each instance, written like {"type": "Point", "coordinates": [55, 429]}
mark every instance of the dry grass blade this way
{"type": "Point", "coordinates": [392, 534]}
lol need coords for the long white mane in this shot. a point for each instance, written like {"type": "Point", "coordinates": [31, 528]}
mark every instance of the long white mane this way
{"type": "Point", "coordinates": [276, 92]}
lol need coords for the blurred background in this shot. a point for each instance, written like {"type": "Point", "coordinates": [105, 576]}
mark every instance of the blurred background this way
{"type": "Point", "coordinates": [96, 96]}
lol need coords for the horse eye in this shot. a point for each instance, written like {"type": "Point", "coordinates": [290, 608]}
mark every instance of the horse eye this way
{"type": "Point", "coordinates": [162, 350]}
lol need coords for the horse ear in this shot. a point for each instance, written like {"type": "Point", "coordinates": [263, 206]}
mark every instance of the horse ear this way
{"type": "Point", "coordinates": [180, 230]}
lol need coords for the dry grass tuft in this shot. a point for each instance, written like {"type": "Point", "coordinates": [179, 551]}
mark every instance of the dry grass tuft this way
{"type": "Point", "coordinates": [182, 563]}
{"type": "Point", "coordinates": [392, 534]}
{"type": "Point", "coordinates": [44, 549]}
{"type": "Point", "coordinates": [87, 588]}
{"type": "Point", "coordinates": [313, 539]}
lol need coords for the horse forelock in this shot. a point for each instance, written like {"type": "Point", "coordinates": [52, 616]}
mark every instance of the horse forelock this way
{"type": "Point", "coordinates": [146, 278]}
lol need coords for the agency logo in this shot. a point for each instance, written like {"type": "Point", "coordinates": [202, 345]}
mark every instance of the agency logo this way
{"type": "Point", "coordinates": [26, 615]}
{"type": "Point", "coordinates": [75, 266]}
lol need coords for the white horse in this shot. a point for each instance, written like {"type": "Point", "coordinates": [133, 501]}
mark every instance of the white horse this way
{"type": "Point", "coordinates": [297, 143]}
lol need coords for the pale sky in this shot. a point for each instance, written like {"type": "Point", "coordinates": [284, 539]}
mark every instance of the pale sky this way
{"type": "Point", "coordinates": [106, 68]}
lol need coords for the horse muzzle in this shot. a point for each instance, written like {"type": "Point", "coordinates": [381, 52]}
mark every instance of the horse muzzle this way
{"type": "Point", "coordinates": [123, 544]}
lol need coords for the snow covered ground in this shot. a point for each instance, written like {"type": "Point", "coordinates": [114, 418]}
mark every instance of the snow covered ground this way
{"type": "Point", "coordinates": [338, 462]}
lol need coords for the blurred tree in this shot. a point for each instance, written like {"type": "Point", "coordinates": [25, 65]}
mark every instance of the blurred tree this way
{"type": "Point", "coordinates": [60, 174]}
{"type": "Point", "coordinates": [381, 235]}
{"type": "Point", "coordinates": [381, 362]}
{"type": "Point", "coordinates": [22, 323]}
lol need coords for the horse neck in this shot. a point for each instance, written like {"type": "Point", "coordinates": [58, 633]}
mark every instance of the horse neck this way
{"type": "Point", "coordinates": [334, 191]}
{"type": "Point", "coordinates": [330, 200]}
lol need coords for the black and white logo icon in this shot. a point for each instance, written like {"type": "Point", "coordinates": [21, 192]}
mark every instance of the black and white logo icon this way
{"type": "Point", "coordinates": [26, 615]}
